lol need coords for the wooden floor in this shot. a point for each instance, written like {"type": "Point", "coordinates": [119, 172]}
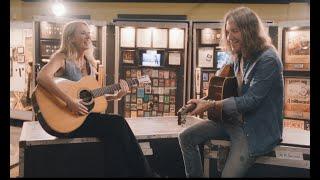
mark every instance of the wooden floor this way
{"type": "Point", "coordinates": [14, 151]}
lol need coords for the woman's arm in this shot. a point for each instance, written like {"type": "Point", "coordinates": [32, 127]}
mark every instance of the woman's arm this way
{"type": "Point", "coordinates": [45, 79]}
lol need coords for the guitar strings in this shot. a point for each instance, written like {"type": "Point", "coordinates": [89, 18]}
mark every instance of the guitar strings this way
{"type": "Point", "coordinates": [110, 89]}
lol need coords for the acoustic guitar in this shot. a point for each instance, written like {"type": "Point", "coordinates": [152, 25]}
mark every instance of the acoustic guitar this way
{"type": "Point", "coordinates": [52, 112]}
{"type": "Point", "coordinates": [221, 86]}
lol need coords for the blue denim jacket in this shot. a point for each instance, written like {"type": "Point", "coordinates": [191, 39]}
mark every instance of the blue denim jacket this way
{"type": "Point", "coordinates": [261, 103]}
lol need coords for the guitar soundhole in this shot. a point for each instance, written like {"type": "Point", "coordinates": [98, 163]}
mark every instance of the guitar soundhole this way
{"type": "Point", "coordinates": [87, 98]}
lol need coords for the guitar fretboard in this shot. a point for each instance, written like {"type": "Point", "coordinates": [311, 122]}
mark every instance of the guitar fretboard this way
{"type": "Point", "coordinates": [112, 88]}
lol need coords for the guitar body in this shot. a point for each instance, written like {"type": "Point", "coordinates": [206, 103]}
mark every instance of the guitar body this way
{"type": "Point", "coordinates": [220, 88]}
{"type": "Point", "coordinates": [56, 118]}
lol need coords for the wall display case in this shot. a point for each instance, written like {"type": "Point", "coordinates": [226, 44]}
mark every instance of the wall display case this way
{"type": "Point", "coordinates": [21, 62]}
{"type": "Point", "coordinates": [294, 47]}
{"type": "Point", "coordinates": [156, 49]}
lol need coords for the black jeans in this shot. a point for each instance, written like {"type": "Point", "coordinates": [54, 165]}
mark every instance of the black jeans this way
{"type": "Point", "coordinates": [123, 155]}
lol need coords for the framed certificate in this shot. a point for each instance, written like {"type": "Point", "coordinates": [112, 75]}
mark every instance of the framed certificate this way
{"type": "Point", "coordinates": [160, 38]}
{"type": "Point", "coordinates": [128, 56]}
{"type": "Point", "coordinates": [174, 58]}
{"type": "Point", "coordinates": [176, 38]}
{"type": "Point", "coordinates": [144, 37]}
{"type": "Point", "coordinates": [297, 98]}
{"type": "Point", "coordinates": [20, 50]}
{"type": "Point", "coordinates": [296, 49]}
{"type": "Point", "coordinates": [205, 57]}
{"type": "Point", "coordinates": [21, 58]}
{"type": "Point", "coordinates": [210, 36]}
{"type": "Point", "coordinates": [127, 37]}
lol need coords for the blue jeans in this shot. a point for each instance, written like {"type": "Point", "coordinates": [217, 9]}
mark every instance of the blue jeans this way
{"type": "Point", "coordinates": [238, 160]}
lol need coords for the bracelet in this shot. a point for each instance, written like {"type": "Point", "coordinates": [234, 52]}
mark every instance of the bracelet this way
{"type": "Point", "coordinates": [211, 101]}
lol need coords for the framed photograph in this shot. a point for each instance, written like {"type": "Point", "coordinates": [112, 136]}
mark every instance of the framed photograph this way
{"type": "Point", "coordinates": [160, 38]}
{"type": "Point", "coordinates": [21, 58]}
{"type": "Point", "coordinates": [161, 90]}
{"type": "Point", "coordinates": [161, 82]}
{"type": "Point", "coordinates": [20, 50]}
{"type": "Point", "coordinates": [297, 98]}
{"type": "Point", "coordinates": [176, 38]}
{"type": "Point", "coordinates": [296, 49]}
{"type": "Point", "coordinates": [133, 73]}
{"type": "Point", "coordinates": [127, 37]}
{"type": "Point", "coordinates": [154, 73]}
{"type": "Point", "coordinates": [174, 58]}
{"type": "Point", "coordinates": [128, 56]}
{"type": "Point", "coordinates": [144, 37]}
{"type": "Point", "coordinates": [140, 113]}
{"type": "Point", "coordinates": [166, 90]}
{"type": "Point", "coordinates": [172, 91]}
{"type": "Point", "coordinates": [167, 83]}
{"type": "Point", "coordinates": [140, 92]}
{"type": "Point", "coordinates": [133, 114]}
{"type": "Point", "coordinates": [155, 82]}
{"type": "Point", "coordinates": [221, 58]}
{"type": "Point", "coordinates": [155, 90]}
{"type": "Point", "coordinates": [133, 106]}
{"type": "Point", "coordinates": [210, 36]}
{"type": "Point", "coordinates": [173, 74]}
{"type": "Point", "coordinates": [147, 89]}
{"type": "Point", "coordinates": [128, 73]}
{"type": "Point", "coordinates": [205, 76]}
{"type": "Point", "coordinates": [205, 57]}
{"type": "Point", "coordinates": [173, 83]}
{"type": "Point", "coordinates": [127, 114]}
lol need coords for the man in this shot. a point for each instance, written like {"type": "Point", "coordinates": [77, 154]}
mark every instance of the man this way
{"type": "Point", "coordinates": [255, 124]}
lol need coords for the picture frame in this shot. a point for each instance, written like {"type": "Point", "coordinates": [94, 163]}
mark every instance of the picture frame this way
{"type": "Point", "coordinates": [210, 36]}
{"type": "Point", "coordinates": [160, 38]}
{"type": "Point", "coordinates": [144, 36]}
{"type": "Point", "coordinates": [21, 58]}
{"type": "Point", "coordinates": [127, 37]}
{"type": "Point", "coordinates": [174, 58]}
{"type": "Point", "coordinates": [206, 57]}
{"type": "Point", "coordinates": [297, 98]}
{"type": "Point", "coordinates": [128, 56]}
{"type": "Point", "coordinates": [176, 38]}
{"type": "Point", "coordinates": [20, 50]}
{"type": "Point", "coordinates": [296, 49]}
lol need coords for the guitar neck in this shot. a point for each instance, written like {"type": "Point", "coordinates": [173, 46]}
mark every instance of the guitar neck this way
{"type": "Point", "coordinates": [112, 88]}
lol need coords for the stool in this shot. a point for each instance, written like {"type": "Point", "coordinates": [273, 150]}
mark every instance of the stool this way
{"type": "Point", "coordinates": [282, 155]}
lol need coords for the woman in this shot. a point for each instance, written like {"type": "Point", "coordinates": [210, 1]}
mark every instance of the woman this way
{"type": "Point", "coordinates": [74, 59]}
{"type": "Point", "coordinates": [254, 126]}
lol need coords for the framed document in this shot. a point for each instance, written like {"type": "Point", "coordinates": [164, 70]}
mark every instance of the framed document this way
{"type": "Point", "coordinates": [296, 49]}
{"type": "Point", "coordinates": [176, 38]}
{"type": "Point", "coordinates": [210, 36]}
{"type": "Point", "coordinates": [205, 57]}
{"type": "Point", "coordinates": [160, 38]}
{"type": "Point", "coordinates": [144, 37]}
{"type": "Point", "coordinates": [174, 58]}
{"type": "Point", "coordinates": [128, 56]}
{"type": "Point", "coordinates": [297, 98]}
{"type": "Point", "coordinates": [21, 58]}
{"type": "Point", "coordinates": [293, 123]}
{"type": "Point", "coordinates": [20, 50]}
{"type": "Point", "coordinates": [127, 37]}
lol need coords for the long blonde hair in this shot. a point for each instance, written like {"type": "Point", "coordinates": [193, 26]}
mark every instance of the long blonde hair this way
{"type": "Point", "coordinates": [254, 36]}
{"type": "Point", "coordinates": [68, 48]}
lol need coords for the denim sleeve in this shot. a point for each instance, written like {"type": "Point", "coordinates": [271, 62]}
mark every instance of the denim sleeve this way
{"type": "Point", "coordinates": [260, 85]}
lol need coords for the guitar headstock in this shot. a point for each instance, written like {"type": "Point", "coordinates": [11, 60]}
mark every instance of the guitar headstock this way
{"type": "Point", "coordinates": [144, 79]}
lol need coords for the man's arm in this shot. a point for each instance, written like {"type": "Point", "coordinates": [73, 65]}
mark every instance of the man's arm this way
{"type": "Point", "coordinates": [260, 85]}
